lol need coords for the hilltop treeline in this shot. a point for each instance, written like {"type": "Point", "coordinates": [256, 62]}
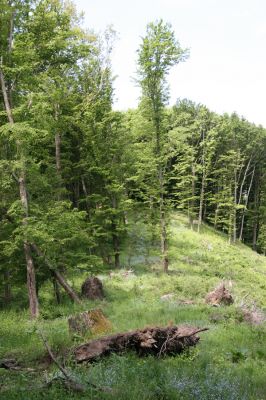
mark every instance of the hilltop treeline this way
{"type": "Point", "coordinates": [75, 175]}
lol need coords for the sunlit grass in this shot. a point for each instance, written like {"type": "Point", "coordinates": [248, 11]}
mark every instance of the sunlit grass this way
{"type": "Point", "coordinates": [229, 363]}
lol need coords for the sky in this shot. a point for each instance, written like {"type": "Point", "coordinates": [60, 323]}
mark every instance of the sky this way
{"type": "Point", "coordinates": [226, 70]}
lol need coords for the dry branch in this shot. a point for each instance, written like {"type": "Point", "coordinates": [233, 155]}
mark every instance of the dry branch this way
{"type": "Point", "coordinates": [68, 381]}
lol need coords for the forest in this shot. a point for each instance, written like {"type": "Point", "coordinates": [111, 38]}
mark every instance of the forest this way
{"type": "Point", "coordinates": [87, 190]}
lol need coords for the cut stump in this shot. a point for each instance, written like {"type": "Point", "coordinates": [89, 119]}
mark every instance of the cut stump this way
{"type": "Point", "coordinates": [156, 341]}
{"type": "Point", "coordinates": [92, 289]}
{"type": "Point", "coordinates": [220, 295]}
{"type": "Point", "coordinates": [93, 321]}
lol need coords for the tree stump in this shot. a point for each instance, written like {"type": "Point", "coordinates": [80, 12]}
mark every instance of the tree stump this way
{"type": "Point", "coordinates": [92, 289]}
{"type": "Point", "coordinates": [93, 321]}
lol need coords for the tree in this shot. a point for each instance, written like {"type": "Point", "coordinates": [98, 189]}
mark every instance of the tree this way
{"type": "Point", "coordinates": [159, 51]}
{"type": "Point", "coordinates": [41, 46]}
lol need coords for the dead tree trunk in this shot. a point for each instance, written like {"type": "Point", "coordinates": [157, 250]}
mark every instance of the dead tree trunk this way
{"type": "Point", "coordinates": [157, 341]}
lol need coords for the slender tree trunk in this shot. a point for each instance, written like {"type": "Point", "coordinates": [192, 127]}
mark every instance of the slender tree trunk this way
{"type": "Point", "coordinates": [115, 237]}
{"type": "Point", "coordinates": [164, 240]}
{"type": "Point", "coordinates": [31, 279]}
{"type": "Point", "coordinates": [164, 246]}
{"type": "Point", "coordinates": [234, 216]}
{"type": "Point", "coordinates": [58, 153]}
{"type": "Point", "coordinates": [116, 250]}
{"type": "Point", "coordinates": [216, 215]}
{"type": "Point", "coordinates": [116, 245]}
{"type": "Point", "coordinates": [162, 206]}
{"type": "Point", "coordinates": [256, 212]}
{"type": "Point", "coordinates": [57, 140]}
{"type": "Point", "coordinates": [231, 217]}
{"type": "Point", "coordinates": [203, 183]}
{"type": "Point", "coordinates": [243, 180]}
{"type": "Point", "coordinates": [202, 194]}
{"type": "Point", "coordinates": [246, 203]}
{"type": "Point", "coordinates": [5, 97]}
{"type": "Point", "coordinates": [85, 191]}
{"type": "Point", "coordinates": [10, 43]}
{"type": "Point", "coordinates": [57, 293]}
{"type": "Point", "coordinates": [192, 202]}
{"type": "Point", "coordinates": [255, 234]}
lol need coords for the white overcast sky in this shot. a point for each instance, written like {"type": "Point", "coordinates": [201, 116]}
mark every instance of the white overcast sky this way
{"type": "Point", "coordinates": [226, 70]}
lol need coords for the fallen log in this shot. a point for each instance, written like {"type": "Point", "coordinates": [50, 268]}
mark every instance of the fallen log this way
{"type": "Point", "coordinates": [156, 341]}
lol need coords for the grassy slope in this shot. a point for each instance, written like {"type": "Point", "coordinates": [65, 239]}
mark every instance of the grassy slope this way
{"type": "Point", "coordinates": [229, 363]}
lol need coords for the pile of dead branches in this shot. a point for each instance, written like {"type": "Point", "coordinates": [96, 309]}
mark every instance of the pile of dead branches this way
{"type": "Point", "coordinates": [156, 341]}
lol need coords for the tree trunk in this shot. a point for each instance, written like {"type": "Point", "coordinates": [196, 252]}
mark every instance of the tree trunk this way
{"type": "Point", "coordinates": [256, 212]}
{"type": "Point", "coordinates": [234, 216]}
{"type": "Point", "coordinates": [31, 279]}
{"type": "Point", "coordinates": [57, 140]}
{"type": "Point", "coordinates": [246, 203]}
{"type": "Point", "coordinates": [192, 202]}
{"type": "Point", "coordinates": [58, 153]}
{"type": "Point", "coordinates": [164, 241]}
{"type": "Point", "coordinates": [58, 276]}
{"type": "Point", "coordinates": [156, 341]}
{"type": "Point", "coordinates": [5, 97]}
{"type": "Point", "coordinates": [56, 291]}
{"type": "Point", "coordinates": [116, 248]}
{"type": "Point", "coordinates": [62, 281]}
{"type": "Point", "coordinates": [216, 215]}
{"type": "Point", "coordinates": [10, 43]}
{"type": "Point", "coordinates": [203, 182]}
{"type": "Point", "coordinates": [31, 282]}
{"type": "Point", "coordinates": [115, 237]}
{"type": "Point", "coordinates": [202, 194]}
{"type": "Point", "coordinates": [243, 180]}
{"type": "Point", "coordinates": [255, 234]}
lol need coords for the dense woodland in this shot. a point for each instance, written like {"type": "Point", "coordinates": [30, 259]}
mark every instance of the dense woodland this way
{"type": "Point", "coordinates": [76, 176]}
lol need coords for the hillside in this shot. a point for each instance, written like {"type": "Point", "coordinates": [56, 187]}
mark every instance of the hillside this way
{"type": "Point", "coordinates": [228, 364]}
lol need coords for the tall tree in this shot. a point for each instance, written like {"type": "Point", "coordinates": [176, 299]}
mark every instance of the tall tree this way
{"type": "Point", "coordinates": [158, 52]}
{"type": "Point", "coordinates": [6, 89]}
